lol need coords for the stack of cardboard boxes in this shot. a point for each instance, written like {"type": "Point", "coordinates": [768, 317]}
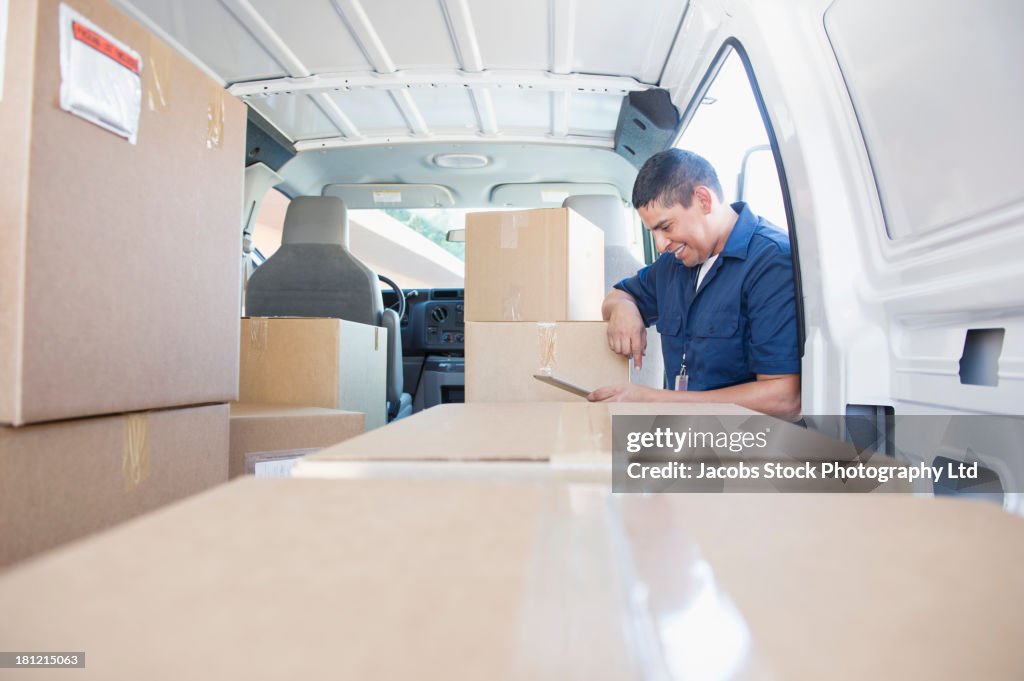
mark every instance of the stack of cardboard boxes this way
{"type": "Point", "coordinates": [534, 286]}
{"type": "Point", "coordinates": [119, 332]}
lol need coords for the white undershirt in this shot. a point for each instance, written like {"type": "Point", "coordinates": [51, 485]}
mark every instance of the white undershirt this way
{"type": "Point", "coordinates": [704, 269]}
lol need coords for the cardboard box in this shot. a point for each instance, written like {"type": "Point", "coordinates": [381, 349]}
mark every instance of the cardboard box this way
{"type": "Point", "coordinates": [574, 441]}
{"type": "Point", "coordinates": [543, 265]}
{"type": "Point", "coordinates": [502, 357]}
{"type": "Point", "coordinates": [61, 481]}
{"type": "Point", "coordinates": [569, 433]}
{"type": "Point", "coordinates": [118, 277]}
{"type": "Point", "coordinates": [269, 427]}
{"type": "Point", "coordinates": [530, 581]}
{"type": "Point", "coordinates": [329, 363]}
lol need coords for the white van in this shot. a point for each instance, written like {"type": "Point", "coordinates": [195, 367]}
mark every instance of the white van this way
{"type": "Point", "coordinates": [881, 136]}
{"type": "Point", "coordinates": [175, 166]}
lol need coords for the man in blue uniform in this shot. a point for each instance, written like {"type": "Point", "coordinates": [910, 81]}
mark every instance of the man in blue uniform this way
{"type": "Point", "coordinates": [721, 293]}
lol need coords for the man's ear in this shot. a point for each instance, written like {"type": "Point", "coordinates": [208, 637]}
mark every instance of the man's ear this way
{"type": "Point", "coordinates": [703, 197]}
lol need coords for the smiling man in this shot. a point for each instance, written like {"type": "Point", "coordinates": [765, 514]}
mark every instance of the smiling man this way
{"type": "Point", "coordinates": [721, 293]}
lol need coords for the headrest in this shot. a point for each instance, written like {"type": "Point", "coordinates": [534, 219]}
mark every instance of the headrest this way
{"type": "Point", "coordinates": [605, 211]}
{"type": "Point", "coordinates": [316, 220]}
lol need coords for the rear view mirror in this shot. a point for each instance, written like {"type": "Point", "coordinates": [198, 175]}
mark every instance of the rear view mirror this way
{"type": "Point", "coordinates": [457, 235]}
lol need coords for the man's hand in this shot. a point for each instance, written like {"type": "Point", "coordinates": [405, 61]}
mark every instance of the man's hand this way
{"type": "Point", "coordinates": [775, 395]}
{"type": "Point", "coordinates": [627, 334]}
{"type": "Point", "coordinates": [627, 393]}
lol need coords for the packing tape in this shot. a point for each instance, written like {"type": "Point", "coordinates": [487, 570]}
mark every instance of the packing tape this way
{"type": "Point", "coordinates": [510, 226]}
{"type": "Point", "coordinates": [214, 117]}
{"type": "Point", "coordinates": [546, 268]}
{"type": "Point", "coordinates": [376, 339]}
{"type": "Point", "coordinates": [135, 450]}
{"type": "Point", "coordinates": [157, 75]}
{"type": "Point", "coordinates": [582, 435]}
{"type": "Point", "coordinates": [547, 345]}
{"type": "Point", "coordinates": [569, 620]}
{"type": "Point", "coordinates": [511, 304]}
{"type": "Point", "coordinates": [259, 330]}
{"type": "Point", "coordinates": [607, 598]}
{"type": "Point", "coordinates": [680, 623]}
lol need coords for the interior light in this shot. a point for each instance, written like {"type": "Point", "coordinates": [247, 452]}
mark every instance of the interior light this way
{"type": "Point", "coordinates": [461, 161]}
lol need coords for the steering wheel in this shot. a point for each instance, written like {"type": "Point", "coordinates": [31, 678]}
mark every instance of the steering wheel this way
{"type": "Point", "coordinates": [398, 292]}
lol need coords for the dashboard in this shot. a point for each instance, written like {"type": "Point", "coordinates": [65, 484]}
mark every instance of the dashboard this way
{"type": "Point", "coordinates": [434, 321]}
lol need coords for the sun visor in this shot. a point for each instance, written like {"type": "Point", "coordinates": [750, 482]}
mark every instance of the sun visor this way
{"type": "Point", "coordinates": [647, 124]}
{"type": "Point", "coordinates": [391, 195]}
{"type": "Point", "coordinates": [264, 144]}
{"type": "Point", "coordinates": [545, 194]}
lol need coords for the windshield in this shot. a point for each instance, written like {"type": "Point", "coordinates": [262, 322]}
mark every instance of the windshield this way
{"type": "Point", "coordinates": [410, 245]}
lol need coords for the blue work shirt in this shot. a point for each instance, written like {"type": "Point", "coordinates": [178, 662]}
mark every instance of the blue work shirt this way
{"type": "Point", "coordinates": [742, 321]}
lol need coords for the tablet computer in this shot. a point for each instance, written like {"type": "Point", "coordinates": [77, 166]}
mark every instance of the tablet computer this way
{"type": "Point", "coordinates": [564, 385]}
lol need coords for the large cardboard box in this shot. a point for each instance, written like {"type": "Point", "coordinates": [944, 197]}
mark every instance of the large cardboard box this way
{"type": "Point", "coordinates": [530, 581]}
{"type": "Point", "coordinates": [270, 427]}
{"type": "Point", "coordinates": [543, 265]}
{"type": "Point", "coordinates": [502, 357]}
{"type": "Point", "coordinates": [119, 269]}
{"type": "Point", "coordinates": [566, 433]}
{"type": "Point", "coordinates": [61, 481]}
{"type": "Point", "coordinates": [575, 441]}
{"type": "Point", "coordinates": [329, 363]}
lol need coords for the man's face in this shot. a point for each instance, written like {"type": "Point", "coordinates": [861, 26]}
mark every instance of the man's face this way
{"type": "Point", "coordinates": [684, 232]}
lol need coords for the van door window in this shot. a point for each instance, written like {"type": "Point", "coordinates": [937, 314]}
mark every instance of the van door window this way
{"type": "Point", "coordinates": [727, 130]}
{"type": "Point", "coordinates": [266, 233]}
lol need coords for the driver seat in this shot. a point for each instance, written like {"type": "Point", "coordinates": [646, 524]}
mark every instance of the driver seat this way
{"type": "Point", "coordinates": [313, 274]}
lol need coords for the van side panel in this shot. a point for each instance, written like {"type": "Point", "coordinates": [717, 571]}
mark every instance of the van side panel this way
{"type": "Point", "coordinates": [945, 146]}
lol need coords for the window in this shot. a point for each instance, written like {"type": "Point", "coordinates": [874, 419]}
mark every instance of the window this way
{"type": "Point", "coordinates": [728, 131]}
{"type": "Point", "coordinates": [406, 245]}
{"type": "Point", "coordinates": [410, 245]}
{"type": "Point", "coordinates": [267, 229]}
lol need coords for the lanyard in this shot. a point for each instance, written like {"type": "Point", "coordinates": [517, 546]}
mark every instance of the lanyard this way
{"type": "Point", "coordinates": [683, 379]}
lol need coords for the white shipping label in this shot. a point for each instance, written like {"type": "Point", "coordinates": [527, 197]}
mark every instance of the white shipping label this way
{"type": "Point", "coordinates": [387, 196]}
{"type": "Point", "coordinates": [274, 468]}
{"type": "Point", "coordinates": [100, 76]}
{"type": "Point", "coordinates": [274, 464]}
{"type": "Point", "coordinates": [3, 44]}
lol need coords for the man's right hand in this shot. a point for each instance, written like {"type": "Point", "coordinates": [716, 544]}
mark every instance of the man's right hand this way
{"type": "Point", "coordinates": [627, 334]}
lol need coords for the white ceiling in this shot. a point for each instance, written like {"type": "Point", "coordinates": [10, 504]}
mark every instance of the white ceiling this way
{"type": "Point", "coordinates": [344, 71]}
{"type": "Point", "coordinates": [331, 74]}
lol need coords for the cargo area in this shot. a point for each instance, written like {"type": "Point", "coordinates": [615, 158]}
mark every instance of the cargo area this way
{"type": "Point", "coordinates": [309, 358]}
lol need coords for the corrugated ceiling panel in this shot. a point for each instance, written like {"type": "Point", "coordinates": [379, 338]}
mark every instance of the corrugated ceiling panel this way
{"type": "Point", "coordinates": [370, 109]}
{"type": "Point", "coordinates": [518, 110]}
{"type": "Point", "coordinates": [512, 35]}
{"type": "Point", "coordinates": [448, 108]}
{"type": "Point", "coordinates": [594, 115]}
{"type": "Point", "coordinates": [297, 116]}
{"type": "Point", "coordinates": [316, 34]}
{"type": "Point", "coordinates": [415, 34]}
{"type": "Point", "coordinates": [214, 36]}
{"type": "Point", "coordinates": [617, 39]}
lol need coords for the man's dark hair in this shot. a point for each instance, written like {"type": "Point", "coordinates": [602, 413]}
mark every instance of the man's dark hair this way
{"type": "Point", "coordinates": [669, 177]}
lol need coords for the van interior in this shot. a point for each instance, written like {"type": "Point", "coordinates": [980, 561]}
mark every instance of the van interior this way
{"type": "Point", "coordinates": [271, 205]}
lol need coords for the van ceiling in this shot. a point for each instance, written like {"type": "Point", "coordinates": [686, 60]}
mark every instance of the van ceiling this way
{"type": "Point", "coordinates": [529, 84]}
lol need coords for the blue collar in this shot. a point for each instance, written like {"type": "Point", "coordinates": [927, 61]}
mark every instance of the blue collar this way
{"type": "Point", "coordinates": [738, 243]}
